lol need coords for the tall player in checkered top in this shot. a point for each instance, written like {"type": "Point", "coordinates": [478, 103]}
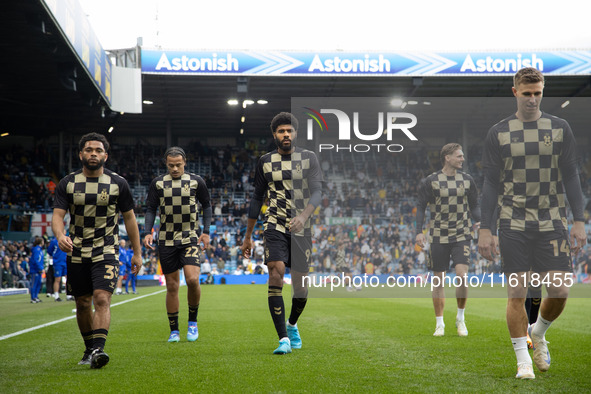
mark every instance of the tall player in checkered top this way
{"type": "Point", "coordinates": [450, 194]}
{"type": "Point", "coordinates": [291, 179]}
{"type": "Point", "coordinates": [529, 162]}
{"type": "Point", "coordinates": [176, 194]}
{"type": "Point", "coordinates": [94, 196]}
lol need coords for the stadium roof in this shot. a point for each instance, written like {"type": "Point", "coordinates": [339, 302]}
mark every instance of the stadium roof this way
{"type": "Point", "coordinates": [37, 66]}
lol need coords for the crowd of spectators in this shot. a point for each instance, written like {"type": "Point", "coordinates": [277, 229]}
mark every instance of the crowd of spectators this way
{"type": "Point", "coordinates": [15, 256]}
{"type": "Point", "coordinates": [344, 248]}
{"type": "Point", "coordinates": [373, 196]}
{"type": "Point", "coordinates": [28, 177]}
{"type": "Point", "coordinates": [24, 179]}
{"type": "Point", "coordinates": [15, 264]}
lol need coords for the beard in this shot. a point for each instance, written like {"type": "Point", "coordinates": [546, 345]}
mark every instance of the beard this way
{"type": "Point", "coordinates": [93, 167]}
{"type": "Point", "coordinates": [285, 148]}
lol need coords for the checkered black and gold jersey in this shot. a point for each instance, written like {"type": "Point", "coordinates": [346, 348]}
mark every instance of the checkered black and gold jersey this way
{"type": "Point", "coordinates": [94, 205]}
{"type": "Point", "coordinates": [450, 199]}
{"type": "Point", "coordinates": [528, 156]}
{"type": "Point", "coordinates": [284, 180]}
{"type": "Point", "coordinates": [177, 200]}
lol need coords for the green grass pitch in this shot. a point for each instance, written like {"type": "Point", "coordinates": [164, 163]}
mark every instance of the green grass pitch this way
{"type": "Point", "coordinates": [349, 345]}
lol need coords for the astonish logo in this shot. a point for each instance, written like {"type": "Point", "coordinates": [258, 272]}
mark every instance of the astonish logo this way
{"type": "Point", "coordinates": [350, 65]}
{"type": "Point", "coordinates": [185, 63]}
{"type": "Point", "coordinates": [490, 64]}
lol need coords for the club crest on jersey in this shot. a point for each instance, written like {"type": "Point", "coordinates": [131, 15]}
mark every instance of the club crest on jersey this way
{"type": "Point", "coordinates": [103, 196]}
{"type": "Point", "coordinates": [186, 187]}
{"type": "Point", "coordinates": [298, 167]}
{"type": "Point", "coordinates": [515, 139]}
{"type": "Point", "coordinates": [547, 140]}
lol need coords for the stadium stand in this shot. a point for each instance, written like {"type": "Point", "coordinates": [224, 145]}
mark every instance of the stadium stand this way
{"type": "Point", "coordinates": [383, 205]}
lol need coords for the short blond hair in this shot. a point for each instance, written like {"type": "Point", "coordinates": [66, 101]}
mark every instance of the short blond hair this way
{"type": "Point", "coordinates": [527, 75]}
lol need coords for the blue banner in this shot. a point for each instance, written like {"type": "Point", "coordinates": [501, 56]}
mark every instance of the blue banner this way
{"type": "Point", "coordinates": [362, 63]}
{"type": "Point", "coordinates": [73, 23]}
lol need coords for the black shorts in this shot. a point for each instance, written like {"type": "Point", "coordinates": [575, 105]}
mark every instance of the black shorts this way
{"type": "Point", "coordinates": [294, 251]}
{"type": "Point", "coordinates": [84, 278]}
{"type": "Point", "coordinates": [344, 269]}
{"type": "Point", "coordinates": [540, 251]}
{"type": "Point", "coordinates": [441, 254]}
{"type": "Point", "coordinates": [173, 258]}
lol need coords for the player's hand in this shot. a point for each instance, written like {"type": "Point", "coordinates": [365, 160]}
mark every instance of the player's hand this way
{"type": "Point", "coordinates": [246, 247]}
{"type": "Point", "coordinates": [297, 224]}
{"type": "Point", "coordinates": [204, 241]}
{"type": "Point", "coordinates": [476, 226]}
{"type": "Point", "coordinates": [136, 263]}
{"type": "Point", "coordinates": [148, 239]}
{"type": "Point", "coordinates": [486, 244]}
{"type": "Point", "coordinates": [420, 240]}
{"type": "Point", "coordinates": [65, 244]}
{"type": "Point", "coordinates": [578, 237]}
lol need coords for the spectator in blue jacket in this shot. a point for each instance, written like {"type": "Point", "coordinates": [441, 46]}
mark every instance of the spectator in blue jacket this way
{"type": "Point", "coordinates": [123, 273]}
{"type": "Point", "coordinates": [59, 267]}
{"type": "Point", "coordinates": [130, 277]}
{"type": "Point", "coordinates": [36, 267]}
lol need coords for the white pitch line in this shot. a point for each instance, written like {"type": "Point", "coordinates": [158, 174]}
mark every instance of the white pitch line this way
{"type": "Point", "coordinates": [14, 334]}
{"type": "Point", "coordinates": [138, 298]}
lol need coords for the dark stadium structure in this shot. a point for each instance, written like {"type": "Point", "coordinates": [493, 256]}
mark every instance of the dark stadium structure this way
{"type": "Point", "coordinates": [44, 90]}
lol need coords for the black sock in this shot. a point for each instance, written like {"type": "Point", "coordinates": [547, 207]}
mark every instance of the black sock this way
{"type": "Point", "coordinates": [88, 339]}
{"type": "Point", "coordinates": [532, 303]}
{"type": "Point", "coordinates": [297, 307]}
{"type": "Point", "coordinates": [277, 310]}
{"type": "Point", "coordinates": [100, 337]}
{"type": "Point", "coordinates": [528, 309]}
{"type": "Point", "coordinates": [193, 310]}
{"type": "Point", "coordinates": [534, 309]}
{"type": "Point", "coordinates": [173, 321]}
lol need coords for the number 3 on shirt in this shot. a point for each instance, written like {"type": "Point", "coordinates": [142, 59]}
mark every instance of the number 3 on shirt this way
{"type": "Point", "coordinates": [111, 271]}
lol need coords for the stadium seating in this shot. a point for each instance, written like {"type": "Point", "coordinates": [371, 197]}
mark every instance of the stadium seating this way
{"type": "Point", "coordinates": [382, 202]}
